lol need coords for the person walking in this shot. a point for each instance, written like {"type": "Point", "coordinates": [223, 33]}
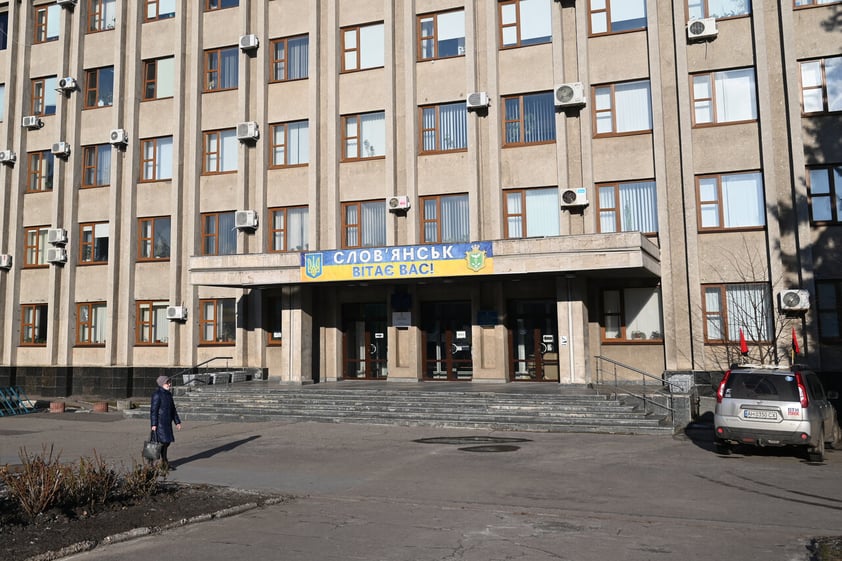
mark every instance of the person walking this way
{"type": "Point", "coordinates": [163, 414]}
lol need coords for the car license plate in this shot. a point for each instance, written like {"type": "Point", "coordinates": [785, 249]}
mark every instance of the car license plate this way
{"type": "Point", "coordinates": [760, 414]}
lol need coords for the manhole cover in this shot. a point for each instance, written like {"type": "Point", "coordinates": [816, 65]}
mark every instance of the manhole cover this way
{"type": "Point", "coordinates": [493, 448]}
{"type": "Point", "coordinates": [463, 440]}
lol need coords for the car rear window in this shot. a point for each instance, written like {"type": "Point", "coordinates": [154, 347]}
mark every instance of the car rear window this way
{"type": "Point", "coordinates": [757, 385]}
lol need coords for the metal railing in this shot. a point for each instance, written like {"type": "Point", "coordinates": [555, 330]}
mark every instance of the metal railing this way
{"type": "Point", "coordinates": [642, 388]}
{"type": "Point", "coordinates": [192, 375]}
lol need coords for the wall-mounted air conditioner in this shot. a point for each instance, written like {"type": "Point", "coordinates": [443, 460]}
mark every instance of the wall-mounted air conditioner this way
{"type": "Point", "coordinates": [400, 202]}
{"type": "Point", "coordinates": [248, 42]}
{"type": "Point", "coordinates": [31, 122]}
{"type": "Point", "coordinates": [245, 219]}
{"type": "Point", "coordinates": [56, 255]}
{"type": "Point", "coordinates": [701, 29]}
{"type": "Point", "coordinates": [248, 130]}
{"type": "Point", "coordinates": [57, 236]}
{"type": "Point", "coordinates": [570, 95]}
{"type": "Point", "coordinates": [574, 198]}
{"type": "Point", "coordinates": [119, 137]}
{"type": "Point", "coordinates": [478, 101]}
{"type": "Point", "coordinates": [61, 149]}
{"type": "Point", "coordinates": [8, 157]}
{"type": "Point", "coordinates": [794, 300]}
{"type": "Point", "coordinates": [5, 261]}
{"type": "Point", "coordinates": [176, 313]}
{"type": "Point", "coordinates": [67, 84]}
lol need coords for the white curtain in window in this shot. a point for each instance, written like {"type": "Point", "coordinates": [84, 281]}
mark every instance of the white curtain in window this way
{"type": "Point", "coordinates": [160, 324]}
{"type": "Point", "coordinates": [607, 212]}
{"type": "Point", "coordinates": [742, 200]}
{"type": "Point", "coordinates": [633, 106]}
{"type": "Point", "coordinates": [514, 209]}
{"type": "Point", "coordinates": [536, 21]}
{"type": "Point", "coordinates": [735, 95]}
{"type": "Point", "coordinates": [430, 213]}
{"type": "Point", "coordinates": [229, 68]}
{"type": "Point", "coordinates": [628, 14]}
{"type": "Point", "coordinates": [229, 146]}
{"type": "Point", "coordinates": [749, 307]}
{"type": "Point", "coordinates": [454, 219]}
{"type": "Point", "coordinates": [450, 28]}
{"type": "Point", "coordinates": [639, 207]}
{"type": "Point", "coordinates": [50, 93]}
{"type": "Point", "coordinates": [833, 75]}
{"type": "Point", "coordinates": [227, 234]}
{"type": "Point", "coordinates": [298, 224]}
{"type": "Point", "coordinates": [728, 8]}
{"type": "Point", "coordinates": [53, 21]}
{"type": "Point", "coordinates": [373, 134]}
{"type": "Point", "coordinates": [372, 46]}
{"type": "Point", "coordinates": [164, 170]}
{"type": "Point", "coordinates": [454, 126]}
{"type": "Point", "coordinates": [165, 77]}
{"type": "Point", "coordinates": [109, 14]}
{"type": "Point", "coordinates": [166, 7]}
{"type": "Point", "coordinates": [298, 58]}
{"type": "Point", "coordinates": [542, 212]}
{"type": "Point", "coordinates": [298, 142]}
{"type": "Point", "coordinates": [103, 165]}
{"type": "Point", "coordinates": [538, 117]}
{"type": "Point", "coordinates": [428, 123]}
{"type": "Point", "coordinates": [643, 313]}
{"type": "Point", "coordinates": [352, 233]}
{"type": "Point", "coordinates": [373, 224]}
{"type": "Point", "coordinates": [100, 323]}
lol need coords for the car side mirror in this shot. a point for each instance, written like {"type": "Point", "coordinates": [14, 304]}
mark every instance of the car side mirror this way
{"type": "Point", "coordinates": [833, 394]}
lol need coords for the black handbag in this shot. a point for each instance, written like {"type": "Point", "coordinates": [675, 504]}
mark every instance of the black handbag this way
{"type": "Point", "coordinates": [152, 448]}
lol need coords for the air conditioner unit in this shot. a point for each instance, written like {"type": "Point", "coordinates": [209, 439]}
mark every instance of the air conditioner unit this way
{"type": "Point", "coordinates": [67, 84]}
{"type": "Point", "coordinates": [701, 29]}
{"type": "Point", "coordinates": [5, 261]}
{"type": "Point", "coordinates": [574, 197]}
{"type": "Point", "coordinates": [32, 122]}
{"type": "Point", "coordinates": [245, 219]}
{"type": "Point", "coordinates": [570, 95]}
{"type": "Point", "coordinates": [176, 313]}
{"type": "Point", "coordinates": [248, 42]}
{"type": "Point", "coordinates": [56, 255]}
{"type": "Point", "coordinates": [119, 137]}
{"type": "Point", "coordinates": [57, 236]}
{"type": "Point", "coordinates": [795, 300]}
{"type": "Point", "coordinates": [8, 157]}
{"type": "Point", "coordinates": [478, 100]}
{"type": "Point", "coordinates": [398, 203]}
{"type": "Point", "coordinates": [61, 149]}
{"type": "Point", "coordinates": [248, 130]}
{"type": "Point", "coordinates": [66, 3]}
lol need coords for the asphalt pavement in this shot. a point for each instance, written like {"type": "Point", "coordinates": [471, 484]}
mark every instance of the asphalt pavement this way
{"type": "Point", "coordinates": [369, 492]}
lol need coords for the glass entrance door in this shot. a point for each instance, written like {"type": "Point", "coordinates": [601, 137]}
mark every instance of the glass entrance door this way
{"type": "Point", "coordinates": [365, 340]}
{"type": "Point", "coordinates": [533, 341]}
{"type": "Point", "coordinates": [447, 340]}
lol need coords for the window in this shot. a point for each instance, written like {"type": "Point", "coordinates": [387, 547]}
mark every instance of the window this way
{"type": "Point", "coordinates": [211, 5]}
{"type": "Point", "coordinates": [159, 9]}
{"type": "Point", "coordinates": [96, 165]}
{"type": "Point", "coordinates": [628, 207]}
{"type": "Point", "coordinates": [724, 97]}
{"type": "Point", "coordinates": [151, 324]}
{"type": "Point", "coordinates": [44, 96]}
{"type": "Point", "coordinates": [41, 170]}
{"type": "Point", "coordinates": [2, 102]}
{"type": "Point", "coordinates": [153, 238]}
{"type": "Point", "coordinates": [362, 47]}
{"type": "Point", "coordinates": [441, 35]}
{"type": "Point", "coordinates": [290, 144]}
{"type": "Point", "coordinates": [156, 159]}
{"type": "Point", "coordinates": [99, 87]}
{"type": "Point", "coordinates": [91, 323]}
{"type": "Point", "coordinates": [731, 201]}
{"type": "Point", "coordinates": [221, 150]}
{"type": "Point", "coordinates": [101, 15]}
{"type": "Point", "coordinates": [829, 308]}
{"type": "Point", "coordinates": [731, 307]}
{"type": "Point", "coordinates": [697, 9]}
{"type": "Point", "coordinates": [4, 30]}
{"type": "Point", "coordinates": [363, 224]}
{"type": "Point", "coordinates": [623, 108]}
{"type": "Point", "coordinates": [218, 234]}
{"type": "Point", "coordinates": [290, 58]}
{"type": "Point", "coordinates": [445, 219]}
{"type": "Point", "coordinates": [272, 319]}
{"type": "Point", "coordinates": [825, 186]}
{"type": "Point", "coordinates": [93, 243]}
{"type": "Point", "coordinates": [528, 119]}
{"type": "Point", "coordinates": [35, 246]}
{"type": "Point", "coordinates": [821, 85]}
{"type": "Point", "coordinates": [47, 20]}
{"type": "Point", "coordinates": [288, 231]}
{"type": "Point", "coordinates": [158, 78]}
{"type": "Point", "coordinates": [222, 67]}
{"type": "Point", "coordinates": [364, 136]}
{"type": "Point", "coordinates": [614, 16]}
{"type": "Point", "coordinates": [632, 314]}
{"type": "Point", "coordinates": [33, 325]}
{"type": "Point", "coordinates": [531, 213]}
{"type": "Point", "coordinates": [525, 22]}
{"type": "Point", "coordinates": [444, 127]}
{"type": "Point", "coordinates": [217, 321]}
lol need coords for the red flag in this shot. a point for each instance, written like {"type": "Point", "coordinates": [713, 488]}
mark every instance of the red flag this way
{"type": "Point", "coordinates": [743, 344]}
{"type": "Point", "coordinates": [795, 348]}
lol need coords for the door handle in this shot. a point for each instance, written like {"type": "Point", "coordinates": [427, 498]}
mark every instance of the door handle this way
{"type": "Point", "coordinates": [372, 349]}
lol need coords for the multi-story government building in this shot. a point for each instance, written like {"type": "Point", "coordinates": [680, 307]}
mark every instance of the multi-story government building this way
{"type": "Point", "coordinates": [416, 190]}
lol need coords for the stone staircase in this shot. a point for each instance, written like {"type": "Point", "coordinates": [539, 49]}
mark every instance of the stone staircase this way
{"type": "Point", "coordinates": [512, 407]}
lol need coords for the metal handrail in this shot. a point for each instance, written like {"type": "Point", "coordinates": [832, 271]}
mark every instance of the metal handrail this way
{"type": "Point", "coordinates": [195, 368]}
{"type": "Point", "coordinates": [646, 400]}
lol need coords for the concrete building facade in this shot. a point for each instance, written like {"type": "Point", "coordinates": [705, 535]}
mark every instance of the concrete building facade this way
{"type": "Point", "coordinates": [418, 190]}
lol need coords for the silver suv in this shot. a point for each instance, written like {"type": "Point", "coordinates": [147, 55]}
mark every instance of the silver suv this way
{"type": "Point", "coordinates": [775, 406]}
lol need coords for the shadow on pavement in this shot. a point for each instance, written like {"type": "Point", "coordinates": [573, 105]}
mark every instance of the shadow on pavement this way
{"type": "Point", "coordinates": [213, 451]}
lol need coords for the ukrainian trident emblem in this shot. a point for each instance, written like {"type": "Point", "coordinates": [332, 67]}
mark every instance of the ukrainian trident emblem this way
{"type": "Point", "coordinates": [475, 258]}
{"type": "Point", "coordinates": [313, 265]}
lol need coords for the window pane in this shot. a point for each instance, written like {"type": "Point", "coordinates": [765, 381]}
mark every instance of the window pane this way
{"type": "Point", "coordinates": [454, 126]}
{"type": "Point", "coordinates": [298, 60]}
{"type": "Point", "coordinates": [371, 46]}
{"type": "Point", "coordinates": [643, 313]}
{"type": "Point", "coordinates": [742, 200]}
{"type": "Point", "coordinates": [373, 224]}
{"type": "Point", "coordinates": [451, 33]}
{"type": "Point", "coordinates": [454, 219]}
{"type": "Point", "coordinates": [542, 212]}
{"type": "Point", "coordinates": [833, 75]}
{"type": "Point", "coordinates": [728, 8]}
{"type": "Point", "coordinates": [538, 117]}
{"type": "Point", "coordinates": [633, 107]}
{"type": "Point", "coordinates": [735, 97]}
{"type": "Point", "coordinates": [298, 143]}
{"type": "Point", "coordinates": [628, 14]}
{"type": "Point", "coordinates": [165, 77]}
{"type": "Point", "coordinates": [638, 207]}
{"type": "Point", "coordinates": [297, 227]}
{"type": "Point", "coordinates": [373, 134]}
{"type": "Point", "coordinates": [230, 149]}
{"type": "Point", "coordinates": [535, 22]}
{"type": "Point", "coordinates": [229, 68]}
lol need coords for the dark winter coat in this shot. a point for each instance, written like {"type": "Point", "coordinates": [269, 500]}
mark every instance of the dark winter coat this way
{"type": "Point", "coordinates": [163, 414]}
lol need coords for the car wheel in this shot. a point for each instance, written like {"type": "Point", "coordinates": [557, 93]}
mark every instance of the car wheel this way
{"type": "Point", "coordinates": [722, 448]}
{"type": "Point", "coordinates": [836, 437]}
{"type": "Point", "coordinates": [816, 454]}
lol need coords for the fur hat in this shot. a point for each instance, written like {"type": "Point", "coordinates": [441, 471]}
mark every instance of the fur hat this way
{"type": "Point", "coordinates": [162, 380]}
